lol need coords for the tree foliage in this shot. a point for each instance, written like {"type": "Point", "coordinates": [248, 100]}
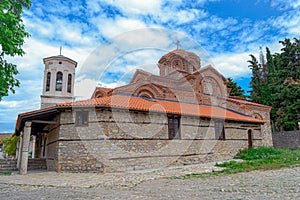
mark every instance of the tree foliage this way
{"type": "Point", "coordinates": [236, 90]}
{"type": "Point", "coordinates": [280, 86]}
{"type": "Point", "coordinates": [10, 145]}
{"type": "Point", "coordinates": [11, 40]}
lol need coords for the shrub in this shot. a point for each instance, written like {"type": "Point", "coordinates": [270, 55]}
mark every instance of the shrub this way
{"type": "Point", "coordinates": [289, 126]}
{"type": "Point", "coordinates": [10, 145]}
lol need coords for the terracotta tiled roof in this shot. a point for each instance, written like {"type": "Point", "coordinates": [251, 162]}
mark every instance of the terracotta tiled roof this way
{"type": "Point", "coordinates": [106, 90]}
{"type": "Point", "coordinates": [156, 105]}
{"type": "Point", "coordinates": [4, 135]}
{"type": "Point", "coordinates": [179, 51]}
{"type": "Point", "coordinates": [240, 101]}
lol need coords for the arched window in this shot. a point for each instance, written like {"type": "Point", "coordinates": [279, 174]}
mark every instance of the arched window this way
{"type": "Point", "coordinates": [59, 79]}
{"type": "Point", "coordinates": [177, 64]}
{"type": "Point", "coordinates": [145, 93]}
{"type": "Point", "coordinates": [211, 87]}
{"type": "Point", "coordinates": [69, 89]}
{"type": "Point", "coordinates": [191, 68]}
{"type": "Point", "coordinates": [48, 81]}
{"type": "Point", "coordinates": [207, 87]}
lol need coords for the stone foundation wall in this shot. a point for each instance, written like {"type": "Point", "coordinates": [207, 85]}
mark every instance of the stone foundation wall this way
{"type": "Point", "coordinates": [286, 139]}
{"type": "Point", "coordinates": [125, 140]}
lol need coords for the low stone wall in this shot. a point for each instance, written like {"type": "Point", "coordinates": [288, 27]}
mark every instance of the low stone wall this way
{"type": "Point", "coordinates": [286, 139]}
{"type": "Point", "coordinates": [128, 155]}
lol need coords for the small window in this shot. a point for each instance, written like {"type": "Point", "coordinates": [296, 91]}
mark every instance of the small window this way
{"type": "Point", "coordinates": [59, 79]}
{"type": "Point", "coordinates": [69, 89]}
{"type": "Point", "coordinates": [208, 87]}
{"type": "Point", "coordinates": [219, 130]}
{"type": "Point", "coordinates": [81, 118]}
{"type": "Point", "coordinates": [48, 81]}
{"type": "Point", "coordinates": [191, 68]}
{"type": "Point", "coordinates": [174, 127]}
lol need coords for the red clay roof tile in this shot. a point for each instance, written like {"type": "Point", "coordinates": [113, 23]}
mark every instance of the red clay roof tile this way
{"type": "Point", "coordinates": [245, 102]}
{"type": "Point", "coordinates": [156, 105]}
{"type": "Point", "coordinates": [106, 90]}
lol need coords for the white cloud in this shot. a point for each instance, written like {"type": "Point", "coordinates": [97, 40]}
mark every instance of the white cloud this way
{"type": "Point", "coordinates": [137, 6]}
{"type": "Point", "coordinates": [84, 88]}
{"type": "Point", "coordinates": [145, 38]}
{"type": "Point", "coordinates": [113, 27]}
{"type": "Point", "coordinates": [12, 104]}
{"type": "Point", "coordinates": [232, 64]}
{"type": "Point", "coordinates": [214, 24]}
{"type": "Point", "coordinates": [289, 23]}
{"type": "Point", "coordinates": [178, 16]}
{"type": "Point", "coordinates": [58, 28]}
{"type": "Point", "coordinates": [286, 4]}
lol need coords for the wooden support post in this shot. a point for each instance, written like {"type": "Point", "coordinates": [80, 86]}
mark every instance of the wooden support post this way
{"type": "Point", "coordinates": [25, 147]}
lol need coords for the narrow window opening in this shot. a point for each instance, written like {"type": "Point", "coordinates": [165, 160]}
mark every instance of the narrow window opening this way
{"type": "Point", "coordinates": [174, 127]}
{"type": "Point", "coordinates": [69, 89]}
{"type": "Point", "coordinates": [59, 79]}
{"type": "Point", "coordinates": [191, 68]}
{"type": "Point", "coordinates": [219, 130]}
{"type": "Point", "coordinates": [44, 147]}
{"type": "Point", "coordinates": [48, 81]}
{"type": "Point", "coordinates": [250, 139]}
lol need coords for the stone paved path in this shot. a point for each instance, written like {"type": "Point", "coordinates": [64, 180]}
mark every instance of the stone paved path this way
{"type": "Point", "coordinates": [276, 184]}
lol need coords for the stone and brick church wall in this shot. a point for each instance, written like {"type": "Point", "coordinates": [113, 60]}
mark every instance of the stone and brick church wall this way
{"type": "Point", "coordinates": [257, 112]}
{"type": "Point", "coordinates": [52, 147]}
{"type": "Point", "coordinates": [122, 140]}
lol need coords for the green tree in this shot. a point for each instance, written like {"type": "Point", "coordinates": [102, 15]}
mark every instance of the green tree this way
{"type": "Point", "coordinates": [10, 145]}
{"type": "Point", "coordinates": [11, 40]}
{"type": "Point", "coordinates": [236, 90]}
{"type": "Point", "coordinates": [255, 84]}
{"type": "Point", "coordinates": [279, 87]}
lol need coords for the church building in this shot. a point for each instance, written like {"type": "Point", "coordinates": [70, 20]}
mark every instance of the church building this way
{"type": "Point", "coordinates": [181, 116]}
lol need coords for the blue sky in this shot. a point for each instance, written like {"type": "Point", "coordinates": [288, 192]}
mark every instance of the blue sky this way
{"type": "Point", "coordinates": [110, 39]}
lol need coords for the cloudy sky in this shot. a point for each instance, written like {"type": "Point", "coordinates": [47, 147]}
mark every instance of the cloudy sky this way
{"type": "Point", "coordinates": [110, 39]}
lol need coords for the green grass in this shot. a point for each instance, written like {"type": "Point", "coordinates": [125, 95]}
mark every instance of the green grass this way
{"type": "Point", "coordinates": [265, 158]}
{"type": "Point", "coordinates": [5, 173]}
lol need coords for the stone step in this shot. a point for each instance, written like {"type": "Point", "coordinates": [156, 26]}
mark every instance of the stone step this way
{"type": "Point", "coordinates": [8, 169]}
{"type": "Point", "coordinates": [8, 165]}
{"type": "Point", "coordinates": [8, 161]}
{"type": "Point", "coordinates": [11, 165]}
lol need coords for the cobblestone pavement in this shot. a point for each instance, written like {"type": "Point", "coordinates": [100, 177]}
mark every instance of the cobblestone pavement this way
{"type": "Point", "coordinates": [159, 184]}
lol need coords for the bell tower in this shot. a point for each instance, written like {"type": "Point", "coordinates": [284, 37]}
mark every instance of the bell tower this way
{"type": "Point", "coordinates": [58, 86]}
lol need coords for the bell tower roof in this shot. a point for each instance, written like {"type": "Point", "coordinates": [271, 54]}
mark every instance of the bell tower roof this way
{"type": "Point", "coordinates": [60, 58]}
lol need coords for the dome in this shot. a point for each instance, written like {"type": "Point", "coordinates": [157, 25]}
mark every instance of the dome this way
{"type": "Point", "coordinates": [180, 60]}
